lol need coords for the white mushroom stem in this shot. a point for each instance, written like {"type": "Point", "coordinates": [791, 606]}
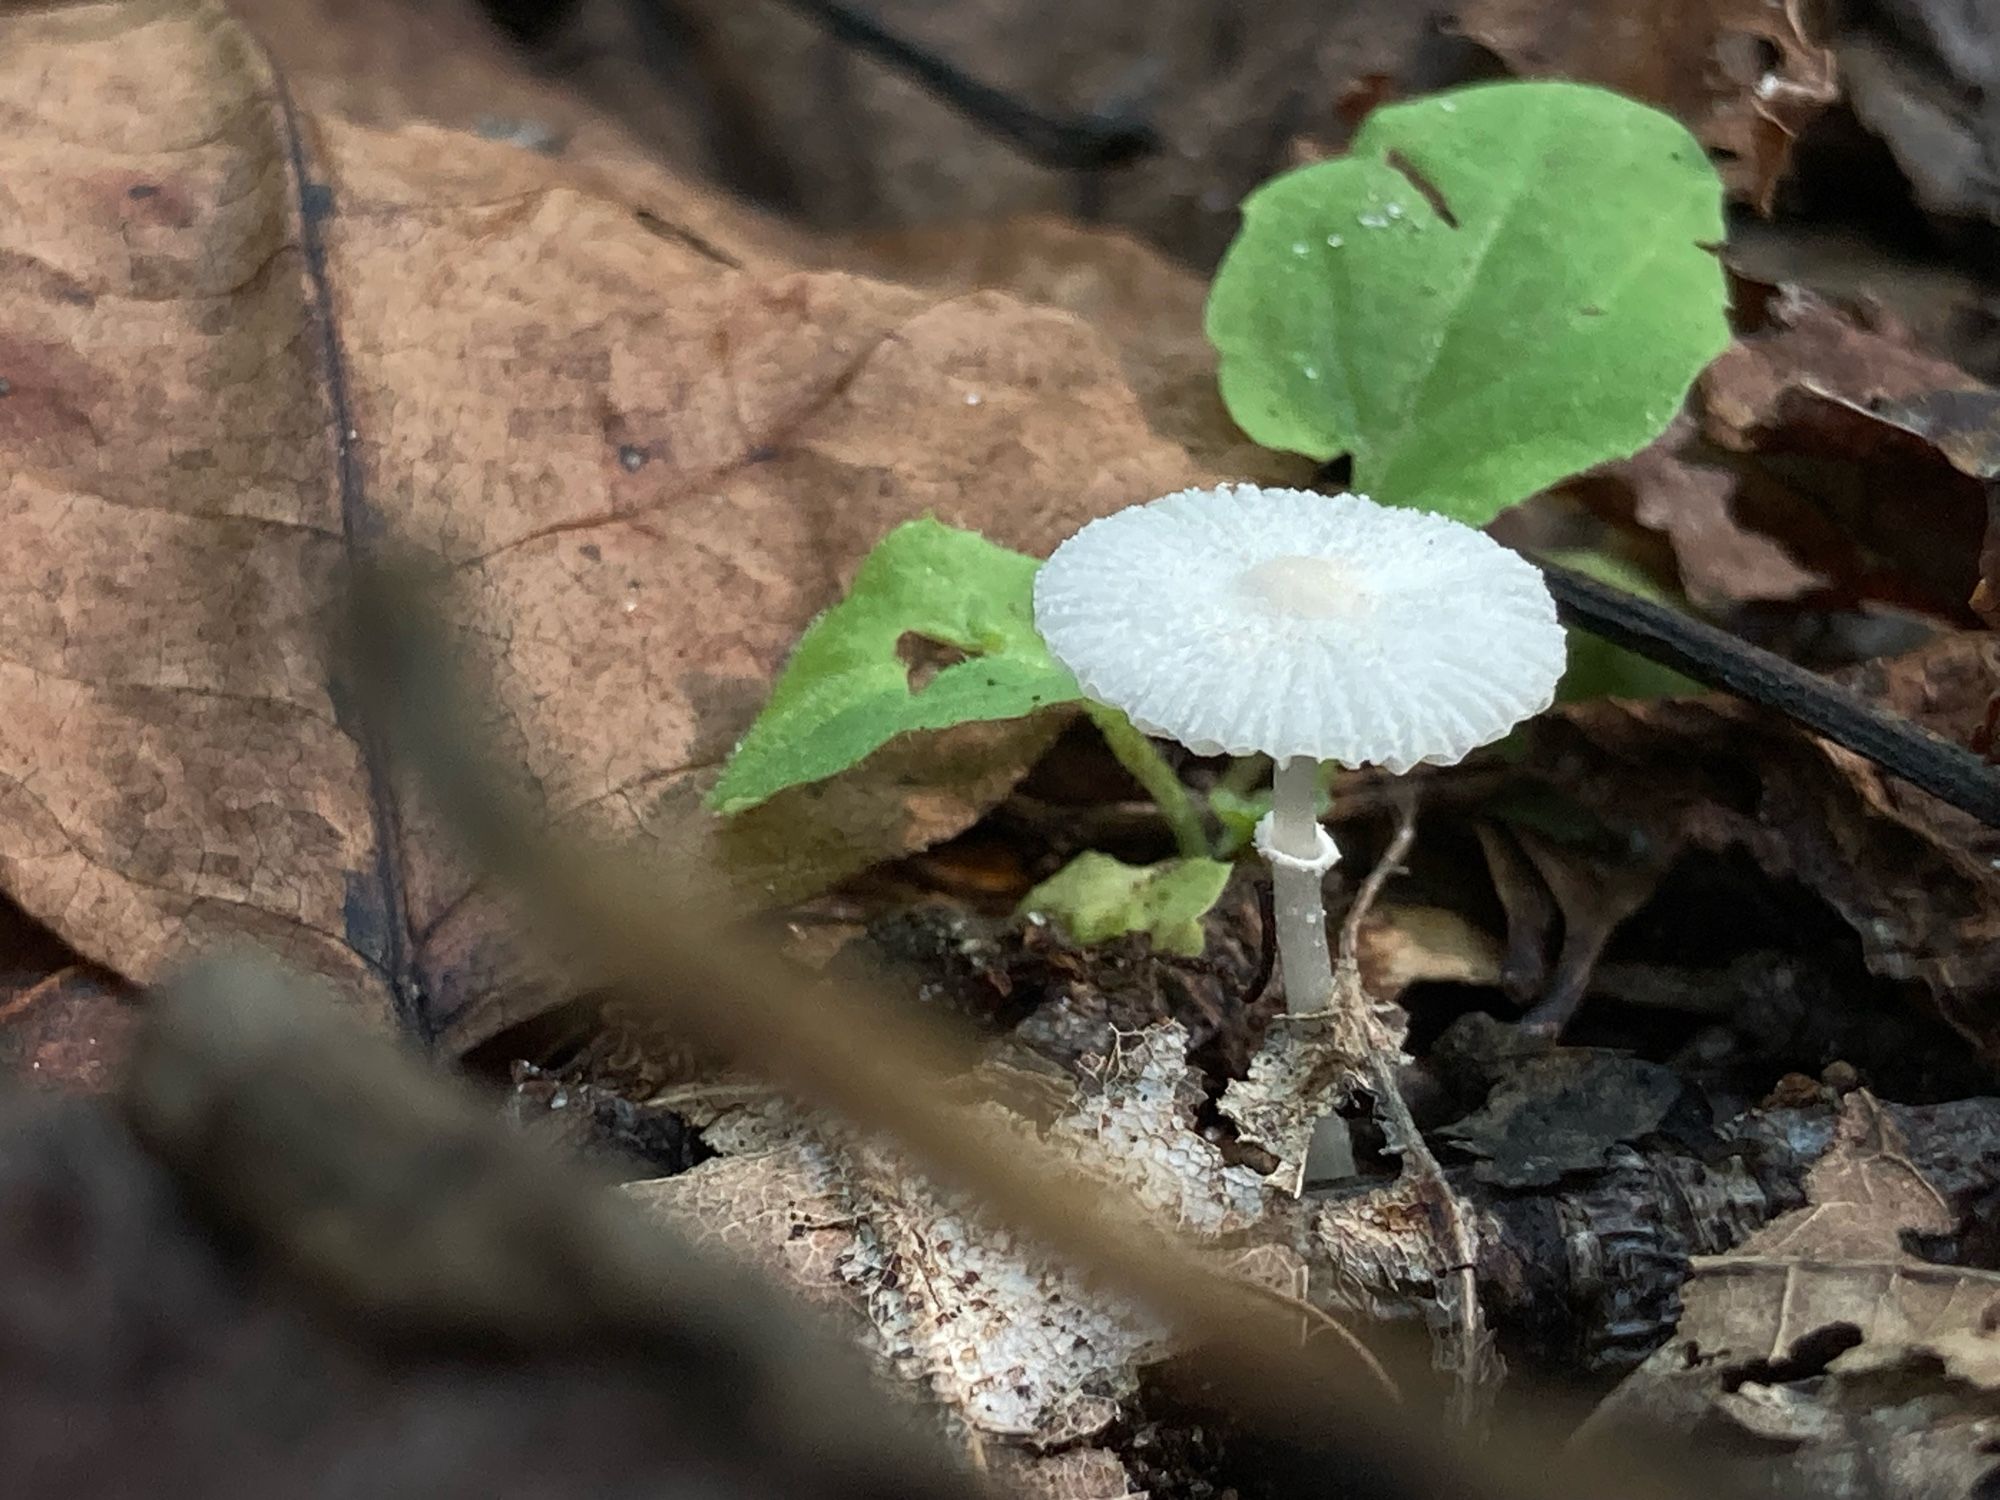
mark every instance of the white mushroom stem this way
{"type": "Point", "coordinates": [1300, 852]}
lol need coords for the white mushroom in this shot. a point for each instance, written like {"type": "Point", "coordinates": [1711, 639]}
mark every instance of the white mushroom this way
{"type": "Point", "coordinates": [1309, 628]}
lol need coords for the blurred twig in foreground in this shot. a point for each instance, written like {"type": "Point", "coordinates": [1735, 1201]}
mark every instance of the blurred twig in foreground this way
{"type": "Point", "coordinates": [652, 934]}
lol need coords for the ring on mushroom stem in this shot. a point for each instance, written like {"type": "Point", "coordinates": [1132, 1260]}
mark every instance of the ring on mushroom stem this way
{"type": "Point", "coordinates": [1309, 628]}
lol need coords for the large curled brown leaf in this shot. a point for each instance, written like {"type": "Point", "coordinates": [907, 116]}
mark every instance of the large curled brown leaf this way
{"type": "Point", "coordinates": [239, 345]}
{"type": "Point", "coordinates": [1839, 1362]}
{"type": "Point", "coordinates": [1823, 453]}
{"type": "Point", "coordinates": [1917, 880]}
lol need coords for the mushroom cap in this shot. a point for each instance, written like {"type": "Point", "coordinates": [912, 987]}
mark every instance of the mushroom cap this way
{"type": "Point", "coordinates": [1243, 619]}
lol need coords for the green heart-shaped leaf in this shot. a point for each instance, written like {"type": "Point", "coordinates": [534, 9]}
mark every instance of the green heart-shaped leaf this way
{"type": "Point", "coordinates": [1496, 288]}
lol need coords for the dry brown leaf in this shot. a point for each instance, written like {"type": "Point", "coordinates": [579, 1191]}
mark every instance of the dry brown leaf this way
{"type": "Point", "coordinates": [1866, 457]}
{"type": "Point", "coordinates": [1864, 1369]}
{"type": "Point", "coordinates": [804, 119]}
{"type": "Point", "coordinates": [647, 455]}
{"type": "Point", "coordinates": [608, 107]}
{"type": "Point", "coordinates": [71, 1029]}
{"type": "Point", "coordinates": [1594, 891]}
{"type": "Point", "coordinates": [1808, 344]}
{"type": "Point", "coordinates": [1689, 494]}
{"type": "Point", "coordinates": [1402, 945]}
{"type": "Point", "coordinates": [387, 62]}
{"type": "Point", "coordinates": [1743, 74]}
{"type": "Point", "coordinates": [1149, 307]}
{"type": "Point", "coordinates": [1916, 879]}
{"type": "Point", "coordinates": [1822, 453]}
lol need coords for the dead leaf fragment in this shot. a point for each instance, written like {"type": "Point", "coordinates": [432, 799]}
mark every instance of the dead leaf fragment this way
{"type": "Point", "coordinates": [1563, 1111]}
{"type": "Point", "coordinates": [71, 1029]}
{"type": "Point", "coordinates": [1677, 487]}
{"type": "Point", "coordinates": [1012, 1346]}
{"type": "Point", "coordinates": [804, 119]}
{"type": "Point", "coordinates": [1808, 343]}
{"type": "Point", "coordinates": [1862, 1369]}
{"type": "Point", "coordinates": [1402, 945]}
{"type": "Point", "coordinates": [1719, 774]}
{"type": "Point", "coordinates": [1148, 307]}
{"type": "Point", "coordinates": [1306, 1069]}
{"type": "Point", "coordinates": [1868, 458]}
{"type": "Point", "coordinates": [244, 343]}
{"type": "Point", "coordinates": [1917, 73]}
{"type": "Point", "coordinates": [1743, 74]}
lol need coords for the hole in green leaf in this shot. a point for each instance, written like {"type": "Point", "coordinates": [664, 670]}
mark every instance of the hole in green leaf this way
{"type": "Point", "coordinates": [923, 658]}
{"type": "Point", "coordinates": [1432, 194]}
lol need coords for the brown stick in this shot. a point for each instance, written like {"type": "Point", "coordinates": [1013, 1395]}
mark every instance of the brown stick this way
{"type": "Point", "coordinates": [653, 933]}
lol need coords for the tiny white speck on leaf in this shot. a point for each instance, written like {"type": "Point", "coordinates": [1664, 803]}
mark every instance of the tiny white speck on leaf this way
{"type": "Point", "coordinates": [1334, 242]}
{"type": "Point", "coordinates": [973, 398]}
{"type": "Point", "coordinates": [1311, 372]}
{"type": "Point", "coordinates": [1447, 106]}
{"type": "Point", "coordinates": [1371, 221]}
{"type": "Point", "coordinates": [1298, 247]}
{"type": "Point", "coordinates": [1395, 210]}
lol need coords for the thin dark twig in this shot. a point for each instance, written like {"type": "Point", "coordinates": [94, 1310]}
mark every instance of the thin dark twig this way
{"type": "Point", "coordinates": [1077, 145]}
{"type": "Point", "coordinates": [1717, 659]}
{"type": "Point", "coordinates": [1267, 959]}
{"type": "Point", "coordinates": [1389, 865]}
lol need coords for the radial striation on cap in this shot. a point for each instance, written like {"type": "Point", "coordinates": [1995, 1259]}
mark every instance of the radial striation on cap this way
{"type": "Point", "coordinates": [1240, 619]}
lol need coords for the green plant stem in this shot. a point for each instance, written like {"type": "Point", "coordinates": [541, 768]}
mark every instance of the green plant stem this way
{"type": "Point", "coordinates": [1245, 774]}
{"type": "Point", "coordinates": [1150, 769]}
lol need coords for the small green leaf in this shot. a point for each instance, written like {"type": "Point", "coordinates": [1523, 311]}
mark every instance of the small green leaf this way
{"type": "Point", "coordinates": [1239, 813]}
{"type": "Point", "coordinates": [1496, 288]}
{"type": "Point", "coordinates": [1598, 669]}
{"type": "Point", "coordinates": [847, 691]}
{"type": "Point", "coordinates": [1095, 897]}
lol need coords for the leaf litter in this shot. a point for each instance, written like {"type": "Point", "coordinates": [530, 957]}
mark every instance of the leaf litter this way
{"type": "Point", "coordinates": [429, 231]}
{"type": "Point", "coordinates": [461, 346]}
